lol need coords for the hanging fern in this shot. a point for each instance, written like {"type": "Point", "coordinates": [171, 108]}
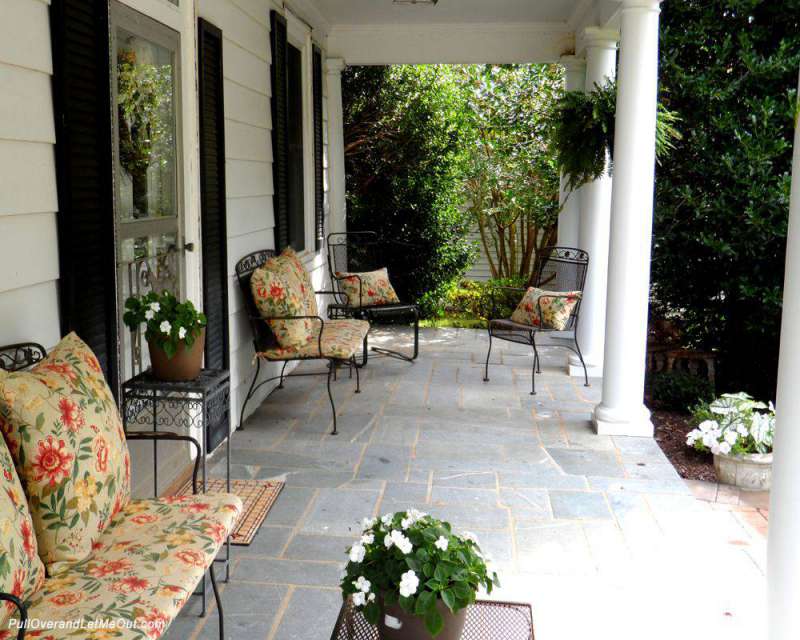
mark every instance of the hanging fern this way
{"type": "Point", "coordinates": [582, 132]}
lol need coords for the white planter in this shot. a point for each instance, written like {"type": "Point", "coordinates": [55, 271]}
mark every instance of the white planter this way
{"type": "Point", "coordinates": [752, 471]}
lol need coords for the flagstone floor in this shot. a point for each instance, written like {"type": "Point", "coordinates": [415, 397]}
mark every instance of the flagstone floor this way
{"type": "Point", "coordinates": [598, 533]}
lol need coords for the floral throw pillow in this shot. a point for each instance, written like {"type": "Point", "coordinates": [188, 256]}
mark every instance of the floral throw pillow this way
{"type": "Point", "coordinates": [298, 269]}
{"type": "Point", "coordinates": [556, 308]}
{"type": "Point", "coordinates": [21, 570]}
{"type": "Point", "coordinates": [278, 292]}
{"type": "Point", "coordinates": [65, 434]}
{"type": "Point", "coordinates": [368, 288]}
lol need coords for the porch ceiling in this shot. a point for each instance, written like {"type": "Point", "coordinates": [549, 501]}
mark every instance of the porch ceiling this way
{"type": "Point", "coordinates": [456, 31]}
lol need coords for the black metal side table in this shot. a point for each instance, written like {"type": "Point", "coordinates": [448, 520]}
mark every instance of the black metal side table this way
{"type": "Point", "coordinates": [203, 403]}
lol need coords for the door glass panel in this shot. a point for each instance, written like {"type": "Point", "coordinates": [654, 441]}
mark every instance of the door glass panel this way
{"type": "Point", "coordinates": [145, 90]}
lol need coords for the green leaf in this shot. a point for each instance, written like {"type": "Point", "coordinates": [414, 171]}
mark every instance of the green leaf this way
{"type": "Point", "coordinates": [425, 602]}
{"type": "Point", "coordinates": [434, 622]}
{"type": "Point", "coordinates": [449, 599]}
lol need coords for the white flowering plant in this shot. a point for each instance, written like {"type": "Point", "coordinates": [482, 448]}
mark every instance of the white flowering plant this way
{"type": "Point", "coordinates": [167, 321]}
{"type": "Point", "coordinates": [733, 424]}
{"type": "Point", "coordinates": [414, 560]}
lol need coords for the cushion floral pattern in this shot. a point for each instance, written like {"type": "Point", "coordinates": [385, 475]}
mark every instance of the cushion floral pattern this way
{"type": "Point", "coordinates": [142, 570]}
{"type": "Point", "coordinates": [340, 339]}
{"type": "Point", "coordinates": [21, 570]}
{"type": "Point", "coordinates": [64, 432]}
{"type": "Point", "coordinates": [556, 308]}
{"type": "Point", "coordinates": [278, 292]}
{"type": "Point", "coordinates": [368, 288]}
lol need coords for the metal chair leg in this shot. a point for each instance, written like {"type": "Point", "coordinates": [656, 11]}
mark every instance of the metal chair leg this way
{"type": "Point", "coordinates": [535, 366]}
{"type": "Point", "coordinates": [580, 357]}
{"type": "Point", "coordinates": [358, 376]}
{"type": "Point", "coordinates": [488, 355]}
{"type": "Point", "coordinates": [220, 615]}
{"type": "Point", "coordinates": [283, 368]}
{"type": "Point", "coordinates": [331, 370]}
{"type": "Point", "coordinates": [249, 393]}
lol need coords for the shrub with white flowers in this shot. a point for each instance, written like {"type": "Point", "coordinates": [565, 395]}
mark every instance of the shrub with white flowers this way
{"type": "Point", "coordinates": [733, 424]}
{"type": "Point", "coordinates": [167, 321]}
{"type": "Point", "coordinates": [414, 560]}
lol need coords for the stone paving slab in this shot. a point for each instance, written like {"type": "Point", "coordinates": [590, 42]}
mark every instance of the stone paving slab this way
{"type": "Point", "coordinates": [595, 532]}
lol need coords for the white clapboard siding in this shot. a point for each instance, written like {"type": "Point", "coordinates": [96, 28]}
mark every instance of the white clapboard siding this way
{"type": "Point", "coordinates": [28, 200]}
{"type": "Point", "coordinates": [480, 269]}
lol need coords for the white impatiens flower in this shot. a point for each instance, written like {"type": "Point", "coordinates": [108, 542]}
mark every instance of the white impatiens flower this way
{"type": "Point", "coordinates": [731, 436]}
{"type": "Point", "coordinates": [724, 448]}
{"type": "Point", "coordinates": [149, 314]}
{"type": "Point", "coordinates": [371, 597]}
{"type": "Point", "coordinates": [709, 440]}
{"type": "Point", "coordinates": [362, 584]}
{"type": "Point", "coordinates": [182, 333]}
{"type": "Point", "coordinates": [398, 539]}
{"type": "Point", "coordinates": [359, 599]}
{"type": "Point", "coordinates": [693, 436]}
{"type": "Point", "coordinates": [387, 519]}
{"type": "Point", "coordinates": [442, 543]}
{"type": "Point", "coordinates": [165, 327]}
{"type": "Point", "coordinates": [388, 541]}
{"type": "Point", "coordinates": [357, 553]}
{"type": "Point", "coordinates": [408, 584]}
{"type": "Point", "coordinates": [368, 523]}
{"type": "Point", "coordinates": [155, 307]}
{"type": "Point", "coordinates": [406, 523]}
{"type": "Point", "coordinates": [368, 538]}
{"type": "Point", "coordinates": [708, 425]}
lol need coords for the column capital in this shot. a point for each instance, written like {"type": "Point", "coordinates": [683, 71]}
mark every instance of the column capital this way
{"type": "Point", "coordinates": [334, 66]}
{"type": "Point", "coordinates": [641, 5]}
{"type": "Point", "coordinates": [599, 38]}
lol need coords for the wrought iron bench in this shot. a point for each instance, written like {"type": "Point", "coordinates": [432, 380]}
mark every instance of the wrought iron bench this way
{"type": "Point", "coordinates": [73, 587]}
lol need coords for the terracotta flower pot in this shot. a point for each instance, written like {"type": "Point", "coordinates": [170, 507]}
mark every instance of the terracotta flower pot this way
{"type": "Point", "coordinates": [184, 365]}
{"type": "Point", "coordinates": [396, 624]}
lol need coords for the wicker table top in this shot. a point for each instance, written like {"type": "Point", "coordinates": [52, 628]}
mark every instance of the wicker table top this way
{"type": "Point", "coordinates": [486, 620]}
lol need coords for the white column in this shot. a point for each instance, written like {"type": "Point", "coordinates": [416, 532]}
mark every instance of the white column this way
{"type": "Point", "coordinates": [783, 547]}
{"type": "Point", "coordinates": [569, 218]}
{"type": "Point", "coordinates": [622, 409]}
{"type": "Point", "coordinates": [337, 220]}
{"type": "Point", "coordinates": [595, 219]}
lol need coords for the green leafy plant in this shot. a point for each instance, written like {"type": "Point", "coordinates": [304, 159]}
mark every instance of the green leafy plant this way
{"type": "Point", "coordinates": [582, 132]}
{"type": "Point", "coordinates": [414, 560]}
{"type": "Point", "coordinates": [168, 322]}
{"type": "Point", "coordinates": [733, 424]}
{"type": "Point", "coordinates": [679, 390]}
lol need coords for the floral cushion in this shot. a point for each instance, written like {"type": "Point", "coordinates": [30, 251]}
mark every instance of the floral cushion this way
{"type": "Point", "coordinates": [296, 266]}
{"type": "Point", "coordinates": [340, 339]}
{"type": "Point", "coordinates": [142, 569]}
{"type": "Point", "coordinates": [65, 435]}
{"type": "Point", "coordinates": [21, 570]}
{"type": "Point", "coordinates": [278, 291]}
{"type": "Point", "coordinates": [556, 308]}
{"type": "Point", "coordinates": [368, 288]}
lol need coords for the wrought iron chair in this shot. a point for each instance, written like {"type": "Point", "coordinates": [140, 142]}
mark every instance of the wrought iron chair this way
{"type": "Point", "coordinates": [264, 339]}
{"type": "Point", "coordinates": [359, 251]}
{"type": "Point", "coordinates": [560, 269]}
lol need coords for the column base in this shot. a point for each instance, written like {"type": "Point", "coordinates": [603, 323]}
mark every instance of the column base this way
{"type": "Point", "coordinates": [594, 369]}
{"type": "Point", "coordinates": [615, 422]}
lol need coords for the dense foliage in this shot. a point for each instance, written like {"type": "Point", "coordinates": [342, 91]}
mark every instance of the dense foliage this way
{"type": "Point", "coordinates": [729, 69]}
{"type": "Point", "coordinates": [413, 560]}
{"type": "Point", "coordinates": [511, 186]}
{"type": "Point", "coordinates": [679, 390]}
{"type": "Point", "coordinates": [405, 140]}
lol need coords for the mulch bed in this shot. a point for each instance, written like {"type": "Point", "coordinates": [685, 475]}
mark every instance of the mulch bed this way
{"type": "Point", "coordinates": [671, 429]}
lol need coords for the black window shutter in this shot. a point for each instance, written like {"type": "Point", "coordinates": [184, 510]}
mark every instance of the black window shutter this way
{"type": "Point", "coordinates": [319, 186]}
{"type": "Point", "coordinates": [82, 103]}
{"type": "Point", "coordinates": [212, 194]}
{"type": "Point", "coordinates": [280, 136]}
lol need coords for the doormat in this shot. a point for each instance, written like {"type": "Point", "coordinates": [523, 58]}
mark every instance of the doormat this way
{"type": "Point", "coordinates": [258, 497]}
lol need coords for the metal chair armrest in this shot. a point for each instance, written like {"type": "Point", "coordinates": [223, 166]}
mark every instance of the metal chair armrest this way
{"type": "Point", "coordinates": [23, 612]}
{"type": "Point", "coordinates": [168, 435]}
